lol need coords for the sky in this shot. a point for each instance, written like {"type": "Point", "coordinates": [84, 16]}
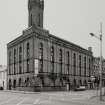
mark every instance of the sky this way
{"type": "Point", "coordinates": [71, 20]}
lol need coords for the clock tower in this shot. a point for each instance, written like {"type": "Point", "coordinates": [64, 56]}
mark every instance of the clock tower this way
{"type": "Point", "coordinates": [35, 10]}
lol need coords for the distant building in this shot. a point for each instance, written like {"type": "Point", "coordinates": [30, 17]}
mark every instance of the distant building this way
{"type": "Point", "coordinates": [38, 60]}
{"type": "Point", "coordinates": [96, 68]}
{"type": "Point", "coordinates": [3, 76]}
{"type": "Point", "coordinates": [103, 72]}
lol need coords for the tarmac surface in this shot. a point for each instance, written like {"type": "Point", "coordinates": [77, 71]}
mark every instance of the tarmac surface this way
{"type": "Point", "coordinates": [88, 97]}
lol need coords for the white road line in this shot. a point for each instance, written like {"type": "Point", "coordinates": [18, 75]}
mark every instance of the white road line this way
{"type": "Point", "coordinates": [21, 102]}
{"type": "Point", "coordinates": [63, 98]}
{"type": "Point", "coordinates": [36, 101]}
{"type": "Point", "coordinates": [50, 98]}
{"type": "Point", "coordinates": [45, 101]}
{"type": "Point", "coordinates": [7, 101]}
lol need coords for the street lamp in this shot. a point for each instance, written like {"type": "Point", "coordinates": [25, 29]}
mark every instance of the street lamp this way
{"type": "Point", "coordinates": [100, 72]}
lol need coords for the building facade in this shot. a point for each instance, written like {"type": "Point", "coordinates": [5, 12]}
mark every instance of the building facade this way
{"type": "Point", "coordinates": [38, 60]}
{"type": "Point", "coordinates": [3, 77]}
{"type": "Point", "coordinates": [103, 72]}
{"type": "Point", "coordinates": [96, 69]}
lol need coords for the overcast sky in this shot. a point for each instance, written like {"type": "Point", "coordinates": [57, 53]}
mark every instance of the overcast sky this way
{"type": "Point", "coordinates": [72, 20]}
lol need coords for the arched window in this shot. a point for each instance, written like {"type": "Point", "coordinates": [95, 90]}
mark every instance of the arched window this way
{"type": "Point", "coordinates": [19, 82]}
{"type": "Point", "coordinates": [14, 61]}
{"type": "Point", "coordinates": [14, 83]}
{"type": "Point", "coordinates": [28, 65]}
{"type": "Point", "coordinates": [31, 20]}
{"type": "Point", "coordinates": [9, 57]}
{"type": "Point", "coordinates": [28, 54]}
{"type": "Point", "coordinates": [75, 83]}
{"type": "Point", "coordinates": [67, 61]}
{"type": "Point", "coordinates": [80, 82]}
{"type": "Point", "coordinates": [89, 67]}
{"type": "Point", "coordinates": [41, 51]}
{"type": "Point", "coordinates": [60, 55]}
{"type": "Point", "coordinates": [80, 65]}
{"type": "Point", "coordinates": [20, 60]}
{"type": "Point", "coordinates": [41, 58]}
{"type": "Point", "coordinates": [28, 50]}
{"type": "Point", "coordinates": [20, 68]}
{"type": "Point", "coordinates": [60, 60]}
{"type": "Point", "coordinates": [9, 71]}
{"type": "Point", "coordinates": [85, 82]}
{"type": "Point", "coordinates": [39, 19]}
{"type": "Point", "coordinates": [14, 55]}
{"type": "Point", "coordinates": [52, 54]}
{"type": "Point", "coordinates": [84, 66]}
{"type": "Point", "coordinates": [74, 64]}
{"type": "Point", "coordinates": [10, 84]}
{"type": "Point", "coordinates": [27, 81]}
{"type": "Point", "coordinates": [67, 57]}
{"type": "Point", "coordinates": [20, 54]}
{"type": "Point", "coordinates": [52, 59]}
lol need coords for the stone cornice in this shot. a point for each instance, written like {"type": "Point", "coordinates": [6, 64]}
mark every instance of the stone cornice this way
{"type": "Point", "coordinates": [68, 44]}
{"type": "Point", "coordinates": [44, 34]}
{"type": "Point", "coordinates": [29, 32]}
{"type": "Point", "coordinates": [35, 29]}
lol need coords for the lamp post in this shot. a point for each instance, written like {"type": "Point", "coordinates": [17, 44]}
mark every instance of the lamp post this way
{"type": "Point", "coordinates": [100, 71]}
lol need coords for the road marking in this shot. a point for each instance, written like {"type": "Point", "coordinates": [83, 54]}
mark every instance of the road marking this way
{"type": "Point", "coordinates": [63, 98]}
{"type": "Point", "coordinates": [50, 98]}
{"type": "Point", "coordinates": [36, 101]}
{"type": "Point", "coordinates": [7, 101]}
{"type": "Point", "coordinates": [21, 102]}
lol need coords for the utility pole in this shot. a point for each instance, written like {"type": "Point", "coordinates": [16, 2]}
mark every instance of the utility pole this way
{"type": "Point", "coordinates": [100, 62]}
{"type": "Point", "coordinates": [100, 71]}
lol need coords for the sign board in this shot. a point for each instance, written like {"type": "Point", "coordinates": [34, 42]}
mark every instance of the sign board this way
{"type": "Point", "coordinates": [92, 78]}
{"type": "Point", "coordinates": [36, 63]}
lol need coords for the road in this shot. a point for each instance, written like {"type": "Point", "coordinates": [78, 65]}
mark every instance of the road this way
{"type": "Point", "coordinates": [47, 98]}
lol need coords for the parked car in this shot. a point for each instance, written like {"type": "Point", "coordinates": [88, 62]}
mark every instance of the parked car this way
{"type": "Point", "coordinates": [1, 88]}
{"type": "Point", "coordinates": [80, 88]}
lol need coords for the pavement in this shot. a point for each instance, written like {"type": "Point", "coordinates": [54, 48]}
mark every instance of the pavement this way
{"type": "Point", "coordinates": [88, 97]}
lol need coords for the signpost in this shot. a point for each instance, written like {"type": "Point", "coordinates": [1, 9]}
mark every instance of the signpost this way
{"type": "Point", "coordinates": [92, 80]}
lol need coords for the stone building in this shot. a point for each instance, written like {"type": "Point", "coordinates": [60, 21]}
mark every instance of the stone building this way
{"type": "Point", "coordinates": [96, 66]}
{"type": "Point", "coordinates": [3, 77]}
{"type": "Point", "coordinates": [96, 69]}
{"type": "Point", "coordinates": [38, 60]}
